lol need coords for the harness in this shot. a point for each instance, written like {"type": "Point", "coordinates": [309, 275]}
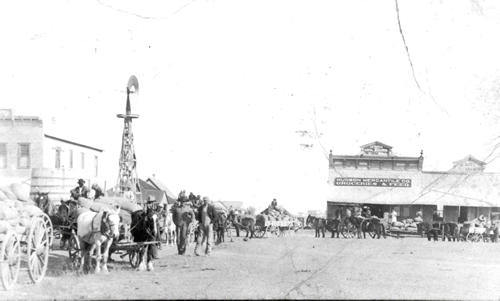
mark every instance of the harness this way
{"type": "Point", "coordinates": [148, 231]}
{"type": "Point", "coordinates": [99, 224]}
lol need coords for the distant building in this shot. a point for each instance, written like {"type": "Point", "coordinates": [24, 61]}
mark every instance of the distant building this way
{"type": "Point", "coordinates": [157, 184]}
{"type": "Point", "coordinates": [233, 204]}
{"type": "Point", "coordinates": [149, 191]}
{"type": "Point", "coordinates": [25, 150]}
{"type": "Point", "coordinates": [385, 182]}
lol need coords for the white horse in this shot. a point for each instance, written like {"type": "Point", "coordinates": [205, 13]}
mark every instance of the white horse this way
{"type": "Point", "coordinates": [169, 226]}
{"type": "Point", "coordinates": [97, 230]}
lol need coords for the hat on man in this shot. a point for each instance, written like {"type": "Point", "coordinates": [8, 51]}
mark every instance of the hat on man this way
{"type": "Point", "coordinates": [81, 181]}
{"type": "Point", "coordinates": [151, 199]}
{"type": "Point", "coordinates": [206, 199]}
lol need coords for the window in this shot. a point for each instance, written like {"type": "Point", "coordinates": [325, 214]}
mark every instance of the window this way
{"type": "Point", "coordinates": [400, 166]}
{"type": "Point", "coordinates": [387, 165]}
{"type": "Point", "coordinates": [58, 158]}
{"type": "Point", "coordinates": [23, 155]}
{"type": "Point", "coordinates": [363, 165]}
{"type": "Point", "coordinates": [374, 165]}
{"type": "Point", "coordinates": [83, 160]}
{"type": "Point", "coordinates": [3, 155]}
{"type": "Point", "coordinates": [405, 211]}
{"type": "Point", "coordinates": [412, 166]}
{"type": "Point", "coordinates": [96, 161]}
{"type": "Point", "coordinates": [70, 158]}
{"type": "Point", "coordinates": [349, 164]}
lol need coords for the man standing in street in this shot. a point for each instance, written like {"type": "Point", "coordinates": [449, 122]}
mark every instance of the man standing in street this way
{"type": "Point", "coordinates": [205, 216]}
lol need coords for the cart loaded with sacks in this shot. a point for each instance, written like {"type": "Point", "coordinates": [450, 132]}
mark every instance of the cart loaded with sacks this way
{"type": "Point", "coordinates": [265, 225]}
{"type": "Point", "coordinates": [26, 235]}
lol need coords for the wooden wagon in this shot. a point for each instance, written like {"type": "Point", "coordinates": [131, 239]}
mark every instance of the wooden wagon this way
{"type": "Point", "coordinates": [34, 243]}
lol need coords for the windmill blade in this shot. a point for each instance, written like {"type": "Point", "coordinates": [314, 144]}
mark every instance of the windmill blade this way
{"type": "Point", "coordinates": [133, 82]}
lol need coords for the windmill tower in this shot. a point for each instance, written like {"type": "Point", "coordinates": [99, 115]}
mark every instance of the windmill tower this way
{"type": "Point", "coordinates": [128, 182]}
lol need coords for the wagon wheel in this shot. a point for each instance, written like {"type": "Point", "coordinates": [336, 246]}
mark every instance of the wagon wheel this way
{"type": "Point", "coordinates": [474, 237]}
{"type": "Point", "coordinates": [270, 229]}
{"type": "Point", "coordinates": [347, 231]}
{"type": "Point", "coordinates": [10, 259]}
{"type": "Point", "coordinates": [369, 228]}
{"type": "Point", "coordinates": [50, 228]}
{"type": "Point", "coordinates": [260, 231]}
{"type": "Point", "coordinates": [74, 251]}
{"type": "Point", "coordinates": [38, 250]}
{"type": "Point", "coordinates": [486, 238]}
{"type": "Point", "coordinates": [134, 258]}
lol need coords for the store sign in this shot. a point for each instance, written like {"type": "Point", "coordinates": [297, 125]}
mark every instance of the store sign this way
{"type": "Point", "coordinates": [374, 182]}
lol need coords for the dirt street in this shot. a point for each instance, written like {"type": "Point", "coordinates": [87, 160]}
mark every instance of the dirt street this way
{"type": "Point", "coordinates": [298, 266]}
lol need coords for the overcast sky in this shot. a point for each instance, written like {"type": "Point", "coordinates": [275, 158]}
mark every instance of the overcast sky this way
{"type": "Point", "coordinates": [225, 85]}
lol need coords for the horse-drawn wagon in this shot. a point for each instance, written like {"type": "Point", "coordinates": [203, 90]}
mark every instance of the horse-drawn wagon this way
{"type": "Point", "coordinates": [123, 246]}
{"type": "Point", "coordinates": [266, 225]}
{"type": "Point", "coordinates": [25, 236]}
{"type": "Point", "coordinates": [34, 242]}
{"type": "Point", "coordinates": [474, 233]}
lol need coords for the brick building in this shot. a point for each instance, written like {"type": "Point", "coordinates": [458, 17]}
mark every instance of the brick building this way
{"type": "Point", "coordinates": [21, 146]}
{"type": "Point", "coordinates": [25, 150]}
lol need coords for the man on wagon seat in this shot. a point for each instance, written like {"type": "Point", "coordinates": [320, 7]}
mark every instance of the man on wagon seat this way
{"type": "Point", "coordinates": [80, 191]}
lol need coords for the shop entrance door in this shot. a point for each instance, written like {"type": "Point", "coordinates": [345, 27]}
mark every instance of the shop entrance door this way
{"type": "Point", "coordinates": [463, 214]}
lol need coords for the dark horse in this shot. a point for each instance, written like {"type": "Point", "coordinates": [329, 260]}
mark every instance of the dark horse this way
{"type": "Point", "coordinates": [333, 225]}
{"type": "Point", "coordinates": [246, 223]}
{"type": "Point", "coordinates": [318, 223]}
{"type": "Point", "coordinates": [373, 225]}
{"type": "Point", "coordinates": [431, 230]}
{"type": "Point", "coordinates": [63, 217]}
{"type": "Point", "coordinates": [144, 228]}
{"type": "Point", "coordinates": [450, 231]}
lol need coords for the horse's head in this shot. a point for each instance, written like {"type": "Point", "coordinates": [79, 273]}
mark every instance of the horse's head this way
{"type": "Point", "coordinates": [221, 219]}
{"type": "Point", "coordinates": [43, 202]}
{"type": "Point", "coordinates": [310, 219]}
{"type": "Point", "coordinates": [111, 223]}
{"type": "Point", "coordinates": [151, 222]}
{"type": "Point", "coordinates": [63, 212]}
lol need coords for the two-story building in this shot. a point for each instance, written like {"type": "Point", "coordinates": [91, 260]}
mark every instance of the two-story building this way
{"type": "Point", "coordinates": [48, 163]}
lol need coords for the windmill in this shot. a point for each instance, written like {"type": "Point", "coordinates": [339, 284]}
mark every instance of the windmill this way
{"type": "Point", "coordinates": [128, 182]}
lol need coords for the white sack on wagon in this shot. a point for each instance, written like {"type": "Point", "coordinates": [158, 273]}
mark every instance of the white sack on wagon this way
{"type": "Point", "coordinates": [124, 203]}
{"type": "Point", "coordinates": [97, 207]}
{"type": "Point", "coordinates": [7, 212]}
{"type": "Point", "coordinates": [219, 207]}
{"type": "Point", "coordinates": [8, 193]}
{"type": "Point", "coordinates": [32, 210]}
{"type": "Point", "coordinates": [21, 191]}
{"type": "Point", "coordinates": [85, 203]}
{"type": "Point", "coordinates": [3, 197]}
{"type": "Point", "coordinates": [4, 226]}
